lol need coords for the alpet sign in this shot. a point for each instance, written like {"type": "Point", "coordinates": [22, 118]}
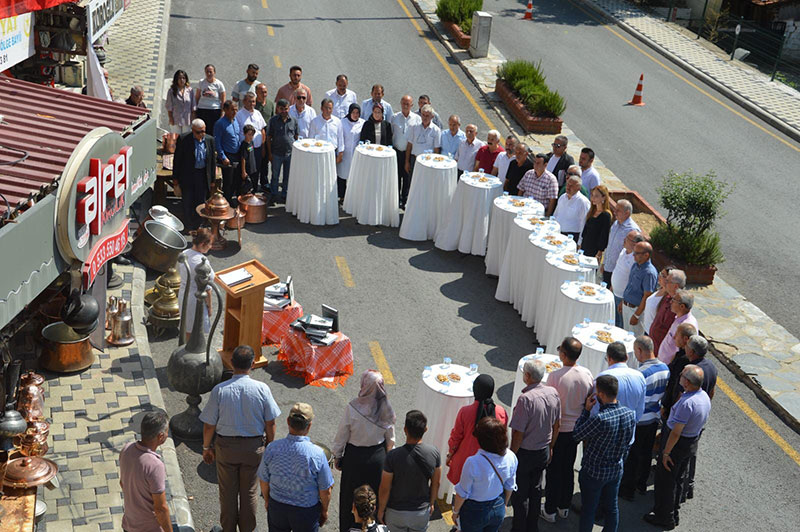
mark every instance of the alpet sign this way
{"type": "Point", "coordinates": [102, 193]}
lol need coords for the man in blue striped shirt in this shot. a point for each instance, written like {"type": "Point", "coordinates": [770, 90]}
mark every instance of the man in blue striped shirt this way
{"type": "Point", "coordinates": [607, 437]}
{"type": "Point", "coordinates": [656, 376]}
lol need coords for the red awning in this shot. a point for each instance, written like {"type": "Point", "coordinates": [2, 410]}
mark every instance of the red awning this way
{"type": "Point", "coordinates": [9, 8]}
{"type": "Point", "coordinates": [40, 128]}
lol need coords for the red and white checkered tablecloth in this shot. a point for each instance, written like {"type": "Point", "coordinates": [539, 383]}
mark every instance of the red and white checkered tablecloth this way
{"type": "Point", "coordinates": [275, 323]}
{"type": "Point", "coordinates": [319, 365]}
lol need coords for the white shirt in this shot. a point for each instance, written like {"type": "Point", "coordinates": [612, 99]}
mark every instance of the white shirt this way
{"type": "Point", "coordinates": [590, 178]}
{"type": "Point", "coordinates": [501, 162]}
{"type": "Point", "coordinates": [341, 102]}
{"type": "Point", "coordinates": [650, 310]}
{"type": "Point", "coordinates": [622, 270]}
{"type": "Point", "coordinates": [552, 164]}
{"type": "Point", "coordinates": [368, 104]}
{"type": "Point", "coordinates": [466, 154]}
{"type": "Point", "coordinates": [357, 430]}
{"type": "Point", "coordinates": [571, 212]}
{"type": "Point", "coordinates": [303, 119]}
{"type": "Point", "coordinates": [401, 128]}
{"type": "Point", "coordinates": [255, 119]}
{"type": "Point", "coordinates": [330, 130]}
{"type": "Point", "coordinates": [424, 138]}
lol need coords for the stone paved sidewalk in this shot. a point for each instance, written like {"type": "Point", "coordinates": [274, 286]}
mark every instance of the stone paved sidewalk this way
{"type": "Point", "coordinates": [763, 354]}
{"type": "Point", "coordinates": [94, 414]}
{"type": "Point", "coordinates": [744, 84]}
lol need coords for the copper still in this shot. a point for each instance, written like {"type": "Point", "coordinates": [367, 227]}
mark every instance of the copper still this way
{"type": "Point", "coordinates": [255, 207]}
{"type": "Point", "coordinates": [121, 325]}
{"type": "Point", "coordinates": [217, 205]}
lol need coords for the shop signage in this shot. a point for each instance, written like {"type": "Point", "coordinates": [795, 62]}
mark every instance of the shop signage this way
{"type": "Point", "coordinates": [100, 15]}
{"type": "Point", "coordinates": [16, 40]}
{"type": "Point", "coordinates": [107, 248]}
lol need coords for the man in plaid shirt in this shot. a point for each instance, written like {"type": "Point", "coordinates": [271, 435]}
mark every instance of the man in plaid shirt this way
{"type": "Point", "coordinates": [607, 437]}
{"type": "Point", "coordinates": [540, 185]}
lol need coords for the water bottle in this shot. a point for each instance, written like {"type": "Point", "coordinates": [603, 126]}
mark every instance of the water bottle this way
{"type": "Point", "coordinates": [540, 350]}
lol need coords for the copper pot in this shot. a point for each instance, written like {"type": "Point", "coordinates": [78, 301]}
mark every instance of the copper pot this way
{"type": "Point", "coordinates": [167, 306]}
{"type": "Point", "coordinates": [255, 207]}
{"type": "Point", "coordinates": [32, 443]}
{"type": "Point", "coordinates": [237, 222]}
{"type": "Point", "coordinates": [64, 350]}
{"type": "Point", "coordinates": [29, 472]}
{"type": "Point", "coordinates": [31, 397]}
{"type": "Point", "coordinates": [217, 205]}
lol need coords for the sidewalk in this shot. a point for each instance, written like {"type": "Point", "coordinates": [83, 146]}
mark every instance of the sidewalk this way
{"type": "Point", "coordinates": [761, 353]}
{"type": "Point", "coordinates": [772, 101]}
{"type": "Point", "coordinates": [94, 414]}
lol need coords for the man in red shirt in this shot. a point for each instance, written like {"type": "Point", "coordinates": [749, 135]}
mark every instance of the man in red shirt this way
{"type": "Point", "coordinates": [676, 280]}
{"type": "Point", "coordinates": [487, 154]}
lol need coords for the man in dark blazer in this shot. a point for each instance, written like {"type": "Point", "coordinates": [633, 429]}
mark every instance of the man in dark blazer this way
{"type": "Point", "coordinates": [194, 168]}
{"type": "Point", "coordinates": [559, 160]}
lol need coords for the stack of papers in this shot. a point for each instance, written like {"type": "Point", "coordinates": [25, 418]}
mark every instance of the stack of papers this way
{"type": "Point", "coordinates": [276, 290]}
{"type": "Point", "coordinates": [235, 277]}
{"type": "Point", "coordinates": [275, 303]}
{"type": "Point", "coordinates": [317, 329]}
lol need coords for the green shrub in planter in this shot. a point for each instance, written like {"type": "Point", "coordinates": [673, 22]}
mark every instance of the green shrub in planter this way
{"type": "Point", "coordinates": [550, 104]}
{"type": "Point", "coordinates": [693, 202]}
{"type": "Point", "coordinates": [519, 72]}
{"type": "Point", "coordinates": [459, 12]}
{"type": "Point", "coordinates": [527, 81]}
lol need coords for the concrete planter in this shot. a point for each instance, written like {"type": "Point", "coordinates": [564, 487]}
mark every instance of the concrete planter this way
{"type": "Point", "coordinates": [531, 123]}
{"type": "Point", "coordinates": [462, 39]}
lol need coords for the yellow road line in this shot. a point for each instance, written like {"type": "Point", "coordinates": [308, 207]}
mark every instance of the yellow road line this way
{"type": "Point", "coordinates": [264, 4]}
{"type": "Point", "coordinates": [446, 511]}
{"type": "Point", "coordinates": [277, 61]}
{"type": "Point", "coordinates": [759, 421]}
{"type": "Point", "coordinates": [344, 269]}
{"type": "Point", "coordinates": [270, 31]}
{"type": "Point", "coordinates": [381, 362]}
{"type": "Point", "coordinates": [682, 78]}
{"type": "Point", "coordinates": [447, 68]}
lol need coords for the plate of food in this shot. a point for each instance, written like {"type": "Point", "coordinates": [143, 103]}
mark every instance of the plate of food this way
{"type": "Point", "coordinates": [454, 377]}
{"type": "Point", "coordinates": [518, 203]}
{"type": "Point", "coordinates": [306, 144]}
{"type": "Point", "coordinates": [605, 337]}
{"type": "Point", "coordinates": [587, 290]}
{"type": "Point", "coordinates": [571, 259]}
{"type": "Point", "coordinates": [552, 366]}
{"type": "Point", "coordinates": [379, 148]}
{"type": "Point", "coordinates": [441, 377]}
{"type": "Point", "coordinates": [438, 158]}
{"type": "Point", "coordinates": [318, 144]}
{"type": "Point", "coordinates": [536, 221]}
{"type": "Point", "coordinates": [483, 179]}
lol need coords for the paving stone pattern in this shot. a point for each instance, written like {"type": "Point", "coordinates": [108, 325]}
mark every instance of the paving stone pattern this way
{"type": "Point", "coordinates": [764, 350]}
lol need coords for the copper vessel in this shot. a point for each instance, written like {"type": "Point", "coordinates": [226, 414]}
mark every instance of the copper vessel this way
{"type": "Point", "coordinates": [121, 326]}
{"type": "Point", "coordinates": [169, 279]}
{"type": "Point", "coordinates": [217, 205]}
{"type": "Point", "coordinates": [30, 402]}
{"type": "Point", "coordinates": [29, 472]}
{"type": "Point", "coordinates": [33, 442]}
{"type": "Point", "coordinates": [64, 350]}
{"type": "Point", "coordinates": [237, 222]}
{"type": "Point", "coordinates": [255, 207]}
{"type": "Point", "coordinates": [167, 305]}
{"type": "Point", "coordinates": [111, 309]}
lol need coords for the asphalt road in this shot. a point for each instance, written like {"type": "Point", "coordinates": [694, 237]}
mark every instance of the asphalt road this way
{"type": "Point", "coordinates": [679, 128]}
{"type": "Point", "coordinates": [418, 303]}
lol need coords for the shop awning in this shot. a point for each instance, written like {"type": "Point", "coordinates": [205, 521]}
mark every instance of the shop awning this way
{"type": "Point", "coordinates": [9, 8]}
{"type": "Point", "coordinates": [40, 128]}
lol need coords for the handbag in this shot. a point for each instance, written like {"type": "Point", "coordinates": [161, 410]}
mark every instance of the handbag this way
{"type": "Point", "coordinates": [421, 465]}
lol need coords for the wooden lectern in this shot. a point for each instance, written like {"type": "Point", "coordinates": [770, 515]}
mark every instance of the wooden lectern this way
{"type": "Point", "coordinates": [244, 306]}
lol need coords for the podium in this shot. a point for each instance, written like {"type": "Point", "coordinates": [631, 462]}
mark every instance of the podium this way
{"type": "Point", "coordinates": [244, 306]}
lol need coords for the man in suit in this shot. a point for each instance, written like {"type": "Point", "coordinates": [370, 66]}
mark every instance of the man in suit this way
{"type": "Point", "coordinates": [194, 168]}
{"type": "Point", "coordinates": [559, 160]}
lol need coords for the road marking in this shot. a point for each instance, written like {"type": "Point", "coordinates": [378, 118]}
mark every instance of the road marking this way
{"type": "Point", "coordinates": [344, 269]}
{"type": "Point", "coordinates": [277, 61]}
{"type": "Point", "coordinates": [759, 421]}
{"type": "Point", "coordinates": [447, 68]}
{"type": "Point", "coordinates": [682, 78]}
{"type": "Point", "coordinates": [264, 4]}
{"type": "Point", "coordinates": [270, 31]}
{"type": "Point", "coordinates": [446, 510]}
{"type": "Point", "coordinates": [381, 362]}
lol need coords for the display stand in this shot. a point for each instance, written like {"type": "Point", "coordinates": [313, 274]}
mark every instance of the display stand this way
{"type": "Point", "coordinates": [244, 305]}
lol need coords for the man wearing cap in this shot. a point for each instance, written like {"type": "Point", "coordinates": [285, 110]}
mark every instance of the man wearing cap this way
{"type": "Point", "coordinates": [241, 412]}
{"type": "Point", "coordinates": [296, 480]}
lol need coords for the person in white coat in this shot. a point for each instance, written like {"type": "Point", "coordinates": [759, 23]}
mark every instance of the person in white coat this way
{"type": "Point", "coordinates": [201, 244]}
{"type": "Point", "coordinates": [351, 129]}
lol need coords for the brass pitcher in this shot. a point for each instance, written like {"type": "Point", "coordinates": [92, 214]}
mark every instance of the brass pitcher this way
{"type": "Point", "coordinates": [121, 325]}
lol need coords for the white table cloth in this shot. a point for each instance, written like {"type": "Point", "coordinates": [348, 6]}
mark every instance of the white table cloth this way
{"type": "Point", "coordinates": [593, 355]}
{"type": "Point", "coordinates": [556, 270]}
{"type": "Point", "coordinates": [432, 186]}
{"type": "Point", "coordinates": [312, 183]}
{"type": "Point", "coordinates": [372, 195]}
{"type": "Point", "coordinates": [519, 262]}
{"type": "Point", "coordinates": [572, 306]}
{"type": "Point", "coordinates": [467, 225]}
{"type": "Point", "coordinates": [519, 384]}
{"type": "Point", "coordinates": [500, 221]}
{"type": "Point", "coordinates": [441, 405]}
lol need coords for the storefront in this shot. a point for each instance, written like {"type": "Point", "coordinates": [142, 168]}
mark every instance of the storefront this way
{"type": "Point", "coordinates": [71, 169]}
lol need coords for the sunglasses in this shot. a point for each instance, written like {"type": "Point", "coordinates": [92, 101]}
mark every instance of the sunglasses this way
{"type": "Point", "coordinates": [302, 97]}
{"type": "Point", "coordinates": [556, 145]}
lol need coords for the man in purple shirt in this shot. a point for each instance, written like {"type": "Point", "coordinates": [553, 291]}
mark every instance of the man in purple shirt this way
{"type": "Point", "coordinates": [679, 439]}
{"type": "Point", "coordinates": [534, 427]}
{"type": "Point", "coordinates": [682, 304]}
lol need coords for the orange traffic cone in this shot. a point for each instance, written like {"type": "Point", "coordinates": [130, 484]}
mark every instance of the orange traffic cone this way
{"type": "Point", "coordinates": [637, 96]}
{"type": "Point", "coordinates": [529, 11]}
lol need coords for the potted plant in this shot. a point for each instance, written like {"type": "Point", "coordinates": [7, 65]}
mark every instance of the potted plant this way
{"type": "Point", "coordinates": [688, 238]}
{"type": "Point", "coordinates": [522, 87]}
{"type": "Point", "coordinates": [456, 16]}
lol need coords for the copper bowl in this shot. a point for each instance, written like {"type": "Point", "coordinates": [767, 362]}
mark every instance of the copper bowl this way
{"type": "Point", "coordinates": [238, 221]}
{"type": "Point", "coordinates": [255, 207]}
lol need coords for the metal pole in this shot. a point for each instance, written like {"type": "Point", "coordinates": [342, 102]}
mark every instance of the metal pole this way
{"type": "Point", "coordinates": [777, 60]}
{"type": "Point", "coordinates": [702, 19]}
{"type": "Point", "coordinates": [735, 40]}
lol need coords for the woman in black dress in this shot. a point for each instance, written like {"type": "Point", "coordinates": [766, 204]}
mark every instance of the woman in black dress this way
{"type": "Point", "coordinates": [594, 238]}
{"type": "Point", "coordinates": [377, 130]}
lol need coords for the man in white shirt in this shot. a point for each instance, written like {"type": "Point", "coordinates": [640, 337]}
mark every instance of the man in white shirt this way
{"type": "Point", "coordinates": [468, 149]}
{"type": "Point", "coordinates": [589, 174]}
{"type": "Point", "coordinates": [571, 209]}
{"type": "Point", "coordinates": [622, 269]}
{"type": "Point", "coordinates": [248, 114]}
{"type": "Point", "coordinates": [377, 97]}
{"type": "Point", "coordinates": [328, 127]}
{"type": "Point", "coordinates": [246, 85]}
{"type": "Point", "coordinates": [341, 96]}
{"type": "Point", "coordinates": [424, 100]}
{"type": "Point", "coordinates": [423, 137]}
{"type": "Point", "coordinates": [403, 123]}
{"type": "Point", "coordinates": [302, 113]}
{"type": "Point", "coordinates": [559, 160]}
{"type": "Point", "coordinates": [503, 159]}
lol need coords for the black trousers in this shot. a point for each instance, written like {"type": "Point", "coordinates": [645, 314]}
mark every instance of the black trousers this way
{"type": "Point", "coordinates": [402, 175]}
{"type": "Point", "coordinates": [231, 179]}
{"type": "Point", "coordinates": [527, 500]}
{"type": "Point", "coordinates": [406, 185]}
{"type": "Point", "coordinates": [607, 278]}
{"type": "Point", "coordinates": [669, 484]}
{"type": "Point", "coordinates": [193, 193]}
{"type": "Point", "coordinates": [637, 465]}
{"type": "Point", "coordinates": [210, 117]}
{"type": "Point", "coordinates": [341, 187]}
{"type": "Point", "coordinates": [688, 485]}
{"type": "Point", "coordinates": [560, 477]}
{"type": "Point", "coordinates": [360, 465]}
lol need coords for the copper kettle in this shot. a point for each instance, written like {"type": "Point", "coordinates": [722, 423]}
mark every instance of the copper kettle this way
{"type": "Point", "coordinates": [254, 206]}
{"type": "Point", "coordinates": [30, 402]}
{"type": "Point", "coordinates": [217, 205]}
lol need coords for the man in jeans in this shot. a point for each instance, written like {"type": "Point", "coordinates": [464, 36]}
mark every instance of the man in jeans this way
{"type": "Point", "coordinates": [410, 480]}
{"type": "Point", "coordinates": [281, 133]}
{"type": "Point", "coordinates": [607, 437]}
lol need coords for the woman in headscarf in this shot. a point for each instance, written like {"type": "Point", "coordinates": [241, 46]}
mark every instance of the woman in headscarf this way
{"type": "Point", "coordinates": [351, 128]}
{"type": "Point", "coordinates": [462, 443]}
{"type": "Point", "coordinates": [365, 434]}
{"type": "Point", "coordinates": [376, 129]}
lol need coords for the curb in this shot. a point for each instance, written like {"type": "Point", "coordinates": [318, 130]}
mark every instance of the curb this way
{"type": "Point", "coordinates": [740, 100]}
{"type": "Point", "coordinates": [179, 500]}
